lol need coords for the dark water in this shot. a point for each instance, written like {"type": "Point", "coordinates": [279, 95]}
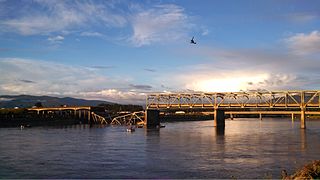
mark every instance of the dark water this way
{"type": "Point", "coordinates": [248, 148]}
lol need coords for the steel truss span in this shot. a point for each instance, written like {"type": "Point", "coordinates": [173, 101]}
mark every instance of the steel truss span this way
{"type": "Point", "coordinates": [233, 100]}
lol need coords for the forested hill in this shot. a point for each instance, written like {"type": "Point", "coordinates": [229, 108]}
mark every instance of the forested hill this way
{"type": "Point", "coordinates": [27, 101]}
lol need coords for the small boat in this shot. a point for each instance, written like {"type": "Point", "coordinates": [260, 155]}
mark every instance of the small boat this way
{"type": "Point", "coordinates": [131, 129]}
{"type": "Point", "coordinates": [160, 126]}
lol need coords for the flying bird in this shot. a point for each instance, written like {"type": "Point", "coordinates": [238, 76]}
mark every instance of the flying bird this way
{"type": "Point", "coordinates": [192, 41]}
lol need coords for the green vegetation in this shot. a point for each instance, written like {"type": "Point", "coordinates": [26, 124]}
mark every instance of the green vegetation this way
{"type": "Point", "coordinates": [14, 111]}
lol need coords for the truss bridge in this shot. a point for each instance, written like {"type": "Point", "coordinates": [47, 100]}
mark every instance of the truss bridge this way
{"type": "Point", "coordinates": [254, 102]}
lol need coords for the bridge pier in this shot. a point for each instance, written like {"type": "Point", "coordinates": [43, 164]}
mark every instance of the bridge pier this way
{"type": "Point", "coordinates": [302, 119]}
{"type": "Point", "coordinates": [292, 117]}
{"type": "Point", "coordinates": [152, 119]}
{"type": "Point", "coordinates": [219, 119]}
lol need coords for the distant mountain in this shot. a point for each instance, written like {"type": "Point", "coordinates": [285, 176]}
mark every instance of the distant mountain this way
{"type": "Point", "coordinates": [27, 101]}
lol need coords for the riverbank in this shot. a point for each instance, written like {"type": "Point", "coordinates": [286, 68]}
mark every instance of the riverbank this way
{"type": "Point", "coordinates": [309, 171]}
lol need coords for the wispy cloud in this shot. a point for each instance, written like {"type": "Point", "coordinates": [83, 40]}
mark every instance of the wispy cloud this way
{"type": "Point", "coordinates": [141, 87]}
{"type": "Point", "coordinates": [56, 39]}
{"type": "Point", "coordinates": [102, 67]}
{"type": "Point", "coordinates": [302, 17]}
{"type": "Point", "coordinates": [303, 44]}
{"type": "Point", "coordinates": [149, 70]}
{"type": "Point", "coordinates": [26, 81]}
{"type": "Point", "coordinates": [56, 17]}
{"type": "Point", "coordinates": [161, 23]}
{"type": "Point", "coordinates": [140, 24]}
{"type": "Point", "coordinates": [91, 34]}
{"type": "Point", "coordinates": [47, 16]}
{"type": "Point", "coordinates": [34, 77]}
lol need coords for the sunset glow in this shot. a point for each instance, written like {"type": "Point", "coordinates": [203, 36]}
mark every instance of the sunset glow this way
{"type": "Point", "coordinates": [228, 84]}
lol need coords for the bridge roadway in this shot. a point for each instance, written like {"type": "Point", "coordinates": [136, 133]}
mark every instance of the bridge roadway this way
{"type": "Point", "coordinates": [261, 102]}
{"type": "Point", "coordinates": [80, 111]}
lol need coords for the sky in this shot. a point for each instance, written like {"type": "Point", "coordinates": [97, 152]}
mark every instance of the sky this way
{"type": "Point", "coordinates": [121, 50]}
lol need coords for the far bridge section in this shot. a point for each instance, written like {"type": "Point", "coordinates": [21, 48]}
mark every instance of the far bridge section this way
{"type": "Point", "coordinates": [78, 112]}
{"type": "Point", "coordinates": [129, 118]}
{"type": "Point", "coordinates": [259, 102]}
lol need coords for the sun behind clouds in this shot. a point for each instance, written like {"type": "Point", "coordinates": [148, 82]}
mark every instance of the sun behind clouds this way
{"type": "Point", "coordinates": [227, 84]}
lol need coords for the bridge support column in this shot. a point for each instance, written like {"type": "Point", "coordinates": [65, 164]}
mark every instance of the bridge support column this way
{"type": "Point", "coordinates": [219, 119]}
{"type": "Point", "coordinates": [89, 115]}
{"type": "Point", "coordinates": [260, 117]}
{"type": "Point", "coordinates": [302, 119]}
{"type": "Point", "coordinates": [231, 116]}
{"type": "Point", "coordinates": [152, 119]}
{"type": "Point", "coordinates": [292, 117]}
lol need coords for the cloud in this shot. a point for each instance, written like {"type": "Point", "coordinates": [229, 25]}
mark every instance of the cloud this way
{"type": "Point", "coordinates": [303, 44]}
{"type": "Point", "coordinates": [91, 34]}
{"type": "Point", "coordinates": [162, 23]}
{"type": "Point", "coordinates": [46, 16]}
{"type": "Point", "coordinates": [49, 78]}
{"type": "Point", "coordinates": [228, 69]}
{"type": "Point", "coordinates": [54, 17]}
{"type": "Point", "coordinates": [244, 79]}
{"type": "Point", "coordinates": [141, 87]}
{"type": "Point", "coordinates": [26, 81]}
{"type": "Point", "coordinates": [205, 32]}
{"type": "Point", "coordinates": [302, 17]}
{"type": "Point", "coordinates": [56, 39]}
{"type": "Point", "coordinates": [149, 70]}
{"type": "Point", "coordinates": [102, 67]}
{"type": "Point", "coordinates": [134, 23]}
{"type": "Point", "coordinates": [114, 95]}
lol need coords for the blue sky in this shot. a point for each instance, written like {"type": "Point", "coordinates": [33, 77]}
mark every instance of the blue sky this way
{"type": "Point", "coordinates": [120, 50]}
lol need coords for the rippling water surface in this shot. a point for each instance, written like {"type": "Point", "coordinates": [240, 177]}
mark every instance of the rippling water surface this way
{"type": "Point", "coordinates": [248, 148]}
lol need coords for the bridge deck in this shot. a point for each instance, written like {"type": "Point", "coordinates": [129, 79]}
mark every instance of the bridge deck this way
{"type": "Point", "coordinates": [258, 100]}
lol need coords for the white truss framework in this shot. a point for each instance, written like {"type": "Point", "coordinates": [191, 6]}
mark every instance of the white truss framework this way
{"type": "Point", "coordinates": [229, 100]}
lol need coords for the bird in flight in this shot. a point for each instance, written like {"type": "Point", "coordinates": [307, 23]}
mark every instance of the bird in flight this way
{"type": "Point", "coordinates": [192, 41]}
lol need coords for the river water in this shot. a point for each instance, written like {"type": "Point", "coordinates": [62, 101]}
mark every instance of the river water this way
{"type": "Point", "coordinates": [248, 148]}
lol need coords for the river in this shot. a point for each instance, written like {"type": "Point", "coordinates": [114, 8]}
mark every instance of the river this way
{"type": "Point", "coordinates": [248, 148]}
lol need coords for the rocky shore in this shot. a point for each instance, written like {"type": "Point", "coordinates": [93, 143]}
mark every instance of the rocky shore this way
{"type": "Point", "coordinates": [309, 171]}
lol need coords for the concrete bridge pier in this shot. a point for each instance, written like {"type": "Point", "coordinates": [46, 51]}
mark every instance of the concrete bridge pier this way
{"type": "Point", "coordinates": [302, 119]}
{"type": "Point", "coordinates": [292, 117]}
{"type": "Point", "coordinates": [219, 119]}
{"type": "Point", "coordinates": [152, 119]}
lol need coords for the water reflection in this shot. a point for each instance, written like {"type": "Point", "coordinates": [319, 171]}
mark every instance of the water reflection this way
{"type": "Point", "coordinates": [219, 131]}
{"type": "Point", "coordinates": [303, 135]}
